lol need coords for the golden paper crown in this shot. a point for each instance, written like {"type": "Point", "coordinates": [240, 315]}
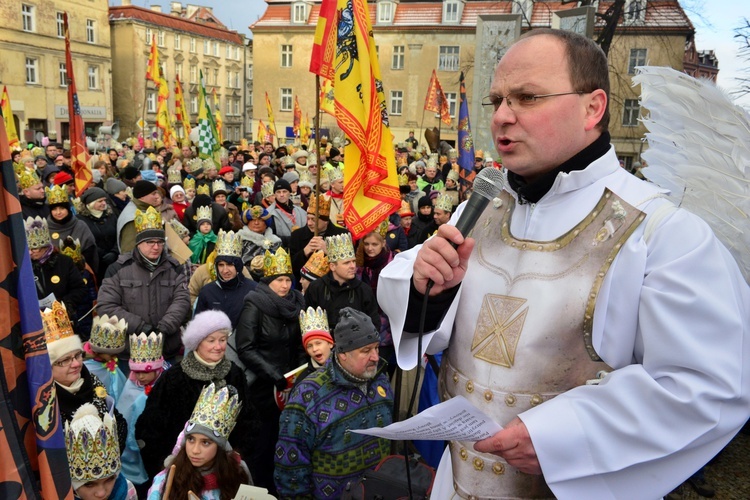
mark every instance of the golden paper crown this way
{"type": "Point", "coordinates": [37, 232]}
{"type": "Point", "coordinates": [444, 202]}
{"type": "Point", "coordinates": [108, 334]}
{"type": "Point", "coordinates": [58, 194]}
{"type": "Point", "coordinates": [287, 160]}
{"type": "Point", "coordinates": [218, 185]}
{"type": "Point", "coordinates": [189, 183]}
{"type": "Point", "coordinates": [91, 442]}
{"type": "Point", "coordinates": [276, 264]}
{"type": "Point", "coordinates": [208, 163]}
{"type": "Point", "coordinates": [228, 244]}
{"type": "Point", "coordinates": [335, 174]}
{"type": "Point", "coordinates": [478, 153]}
{"type": "Point", "coordinates": [216, 410]}
{"type": "Point", "coordinates": [339, 247]}
{"type": "Point", "coordinates": [317, 264]}
{"type": "Point", "coordinates": [78, 204]}
{"type": "Point", "coordinates": [405, 210]}
{"type": "Point", "coordinates": [402, 161]}
{"type": "Point", "coordinates": [403, 180]}
{"type": "Point", "coordinates": [194, 164]}
{"type": "Point", "coordinates": [305, 177]}
{"type": "Point", "coordinates": [71, 248]}
{"type": "Point", "coordinates": [266, 189]}
{"type": "Point", "coordinates": [382, 228]}
{"type": "Point", "coordinates": [203, 189]}
{"type": "Point", "coordinates": [146, 349]}
{"type": "Point", "coordinates": [204, 213]}
{"type": "Point", "coordinates": [452, 175]}
{"type": "Point", "coordinates": [246, 181]}
{"type": "Point", "coordinates": [180, 229]}
{"type": "Point", "coordinates": [56, 323]}
{"type": "Point", "coordinates": [150, 219]}
{"type": "Point", "coordinates": [174, 176]}
{"type": "Point", "coordinates": [37, 151]}
{"type": "Point", "coordinates": [27, 178]}
{"type": "Point", "coordinates": [452, 153]}
{"type": "Point", "coordinates": [432, 160]}
{"type": "Point", "coordinates": [313, 320]}
{"type": "Point", "coordinates": [312, 159]}
{"type": "Point", "coordinates": [324, 203]}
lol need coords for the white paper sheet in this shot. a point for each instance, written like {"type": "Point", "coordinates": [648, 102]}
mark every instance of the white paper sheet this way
{"type": "Point", "coordinates": [452, 420]}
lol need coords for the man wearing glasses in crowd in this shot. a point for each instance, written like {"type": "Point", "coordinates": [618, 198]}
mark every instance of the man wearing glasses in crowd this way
{"type": "Point", "coordinates": [603, 328]}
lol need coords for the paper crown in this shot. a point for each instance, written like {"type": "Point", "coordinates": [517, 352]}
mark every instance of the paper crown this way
{"type": "Point", "coordinates": [403, 180]}
{"type": "Point", "coordinates": [150, 219]}
{"type": "Point", "coordinates": [204, 213]}
{"type": "Point", "coordinates": [444, 202]}
{"type": "Point", "coordinates": [228, 244]}
{"type": "Point", "coordinates": [312, 159]}
{"type": "Point", "coordinates": [405, 210]}
{"type": "Point", "coordinates": [189, 183]}
{"type": "Point", "coordinates": [478, 153]}
{"type": "Point", "coordinates": [218, 185]}
{"type": "Point", "coordinates": [339, 247]}
{"type": "Point", "coordinates": [194, 164]}
{"type": "Point", "coordinates": [72, 248]}
{"type": "Point", "coordinates": [56, 323]}
{"type": "Point", "coordinates": [208, 163]}
{"type": "Point", "coordinates": [246, 181]}
{"type": "Point", "coordinates": [305, 177]}
{"type": "Point", "coordinates": [91, 442]}
{"type": "Point", "coordinates": [108, 334]}
{"type": "Point", "coordinates": [58, 194]}
{"type": "Point", "coordinates": [432, 160]}
{"type": "Point", "coordinates": [37, 232]}
{"type": "Point", "coordinates": [266, 189]}
{"type": "Point", "coordinates": [287, 161]}
{"type": "Point", "coordinates": [323, 202]}
{"type": "Point", "coordinates": [181, 230]}
{"type": "Point", "coordinates": [28, 178]}
{"type": "Point", "coordinates": [316, 266]}
{"type": "Point", "coordinates": [146, 352]}
{"type": "Point", "coordinates": [174, 176]}
{"type": "Point", "coordinates": [277, 264]}
{"type": "Point", "coordinates": [452, 153]}
{"type": "Point", "coordinates": [203, 189]}
{"type": "Point", "coordinates": [313, 320]}
{"type": "Point", "coordinates": [335, 174]}
{"type": "Point", "coordinates": [452, 175]}
{"type": "Point", "coordinates": [254, 213]}
{"type": "Point", "coordinates": [402, 161]}
{"type": "Point", "coordinates": [382, 228]}
{"type": "Point", "coordinates": [216, 410]}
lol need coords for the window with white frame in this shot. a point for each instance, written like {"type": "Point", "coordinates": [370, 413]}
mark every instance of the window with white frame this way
{"type": "Point", "coordinates": [635, 11]}
{"type": "Point", "coordinates": [286, 99]}
{"type": "Point", "coordinates": [236, 107]}
{"type": "Point", "coordinates": [397, 102]}
{"type": "Point", "coordinates": [637, 58]}
{"type": "Point", "coordinates": [385, 12]}
{"type": "Point", "coordinates": [60, 25]}
{"type": "Point", "coordinates": [177, 42]}
{"type": "Point", "coordinates": [160, 38]}
{"type": "Point", "coordinates": [63, 73]}
{"type": "Point", "coordinates": [448, 58]}
{"type": "Point", "coordinates": [192, 44]}
{"type": "Point", "coordinates": [249, 71]}
{"type": "Point", "coordinates": [193, 73]}
{"type": "Point", "coordinates": [229, 52]}
{"type": "Point", "coordinates": [299, 12]}
{"type": "Point", "coordinates": [286, 56]}
{"type": "Point", "coordinates": [32, 70]}
{"type": "Point", "coordinates": [397, 61]}
{"type": "Point", "coordinates": [216, 77]}
{"type": "Point", "coordinates": [90, 31]}
{"type": "Point", "coordinates": [194, 104]}
{"type": "Point", "coordinates": [93, 75]}
{"type": "Point", "coordinates": [28, 14]}
{"type": "Point", "coordinates": [149, 36]}
{"type": "Point", "coordinates": [630, 112]}
{"type": "Point", "coordinates": [151, 102]}
{"type": "Point", "coordinates": [450, 11]}
{"type": "Point", "coordinates": [178, 70]}
{"type": "Point", "coordinates": [228, 111]}
{"type": "Point", "coordinates": [206, 47]}
{"type": "Point", "coordinates": [217, 48]}
{"type": "Point", "coordinates": [452, 98]}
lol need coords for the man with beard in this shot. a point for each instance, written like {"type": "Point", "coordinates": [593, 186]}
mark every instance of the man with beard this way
{"type": "Point", "coordinates": [32, 195]}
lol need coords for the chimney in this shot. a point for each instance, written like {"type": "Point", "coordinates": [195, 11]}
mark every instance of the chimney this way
{"type": "Point", "coordinates": [126, 3]}
{"type": "Point", "coordinates": [156, 8]}
{"type": "Point", "coordinates": [175, 8]}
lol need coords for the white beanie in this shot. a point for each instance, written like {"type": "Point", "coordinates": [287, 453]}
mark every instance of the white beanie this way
{"type": "Point", "coordinates": [174, 189]}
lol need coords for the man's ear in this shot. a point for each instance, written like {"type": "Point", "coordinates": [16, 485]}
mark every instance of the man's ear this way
{"type": "Point", "coordinates": [596, 105]}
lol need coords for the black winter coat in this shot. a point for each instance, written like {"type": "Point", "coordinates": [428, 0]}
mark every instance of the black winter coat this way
{"type": "Point", "coordinates": [223, 297]}
{"type": "Point", "coordinates": [104, 229]}
{"type": "Point", "coordinates": [299, 240]}
{"type": "Point", "coordinates": [327, 293]}
{"type": "Point", "coordinates": [59, 275]}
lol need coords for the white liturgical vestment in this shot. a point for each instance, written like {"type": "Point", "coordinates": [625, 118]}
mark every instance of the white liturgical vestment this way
{"type": "Point", "coordinates": [669, 316]}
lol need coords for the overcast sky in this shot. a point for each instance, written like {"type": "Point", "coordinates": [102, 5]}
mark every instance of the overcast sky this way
{"type": "Point", "coordinates": [714, 22]}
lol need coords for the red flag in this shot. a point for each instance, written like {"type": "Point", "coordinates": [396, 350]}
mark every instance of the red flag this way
{"type": "Point", "coordinates": [31, 435]}
{"type": "Point", "coordinates": [436, 101]}
{"type": "Point", "coordinates": [153, 72]}
{"type": "Point", "coordinates": [324, 44]}
{"type": "Point", "coordinates": [297, 117]}
{"type": "Point", "coordinates": [79, 154]}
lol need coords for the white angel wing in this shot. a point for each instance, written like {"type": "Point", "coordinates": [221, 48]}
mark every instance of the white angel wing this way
{"type": "Point", "coordinates": [699, 149]}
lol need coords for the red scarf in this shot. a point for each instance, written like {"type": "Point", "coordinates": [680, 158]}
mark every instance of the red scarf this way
{"type": "Point", "coordinates": [335, 195]}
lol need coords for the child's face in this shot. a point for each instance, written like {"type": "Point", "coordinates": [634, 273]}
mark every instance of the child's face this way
{"type": "Point", "coordinates": [190, 193]}
{"type": "Point", "coordinates": [450, 183]}
{"type": "Point", "coordinates": [205, 227]}
{"type": "Point", "coordinates": [319, 350]}
{"type": "Point", "coordinates": [201, 451]}
{"type": "Point", "coordinates": [145, 378]}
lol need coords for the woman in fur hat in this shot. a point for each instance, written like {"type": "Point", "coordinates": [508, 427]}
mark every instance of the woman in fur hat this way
{"type": "Point", "coordinates": [172, 399]}
{"type": "Point", "coordinates": [257, 234]}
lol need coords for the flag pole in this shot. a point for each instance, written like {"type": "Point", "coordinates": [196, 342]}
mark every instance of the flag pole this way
{"type": "Point", "coordinates": [317, 152]}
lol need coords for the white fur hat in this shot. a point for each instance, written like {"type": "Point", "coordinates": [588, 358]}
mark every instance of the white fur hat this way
{"type": "Point", "coordinates": [203, 325]}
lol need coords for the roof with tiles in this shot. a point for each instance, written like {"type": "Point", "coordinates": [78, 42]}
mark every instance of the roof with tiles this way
{"type": "Point", "coordinates": [660, 15]}
{"type": "Point", "coordinates": [161, 19]}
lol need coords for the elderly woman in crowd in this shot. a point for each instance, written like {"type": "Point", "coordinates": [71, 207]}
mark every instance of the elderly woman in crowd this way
{"type": "Point", "coordinates": [174, 395]}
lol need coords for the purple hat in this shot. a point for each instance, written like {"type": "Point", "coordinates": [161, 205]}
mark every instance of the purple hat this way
{"type": "Point", "coordinates": [203, 325]}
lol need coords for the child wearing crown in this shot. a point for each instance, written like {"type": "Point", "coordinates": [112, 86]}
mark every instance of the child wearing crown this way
{"type": "Point", "coordinates": [202, 461]}
{"type": "Point", "coordinates": [204, 240]}
{"type": "Point", "coordinates": [106, 342]}
{"type": "Point", "coordinates": [316, 339]}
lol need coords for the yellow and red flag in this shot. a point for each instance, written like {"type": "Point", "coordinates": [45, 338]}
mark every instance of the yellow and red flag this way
{"type": "Point", "coordinates": [436, 101]}
{"type": "Point", "coordinates": [296, 118]}
{"type": "Point", "coordinates": [10, 125]}
{"type": "Point", "coordinates": [217, 119]}
{"type": "Point", "coordinates": [180, 108]}
{"type": "Point", "coordinates": [326, 97]}
{"type": "Point", "coordinates": [79, 154]}
{"type": "Point", "coordinates": [271, 122]}
{"type": "Point", "coordinates": [153, 70]}
{"type": "Point", "coordinates": [304, 130]}
{"type": "Point", "coordinates": [263, 133]}
{"type": "Point", "coordinates": [344, 46]}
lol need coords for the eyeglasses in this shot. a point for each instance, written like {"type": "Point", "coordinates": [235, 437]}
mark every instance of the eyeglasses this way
{"type": "Point", "coordinates": [62, 363]}
{"type": "Point", "coordinates": [519, 100]}
{"type": "Point", "coordinates": [154, 243]}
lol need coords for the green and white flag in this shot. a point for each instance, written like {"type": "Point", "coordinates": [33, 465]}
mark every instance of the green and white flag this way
{"type": "Point", "coordinates": [208, 141]}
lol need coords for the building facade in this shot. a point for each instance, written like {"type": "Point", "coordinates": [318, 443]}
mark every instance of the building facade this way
{"type": "Point", "coordinates": [413, 38]}
{"type": "Point", "coordinates": [190, 41]}
{"type": "Point", "coordinates": [33, 68]}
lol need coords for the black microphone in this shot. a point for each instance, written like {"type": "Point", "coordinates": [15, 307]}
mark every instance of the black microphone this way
{"type": "Point", "coordinates": [487, 186]}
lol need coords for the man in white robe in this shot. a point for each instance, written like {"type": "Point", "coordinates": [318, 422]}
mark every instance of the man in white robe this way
{"type": "Point", "coordinates": [668, 312]}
